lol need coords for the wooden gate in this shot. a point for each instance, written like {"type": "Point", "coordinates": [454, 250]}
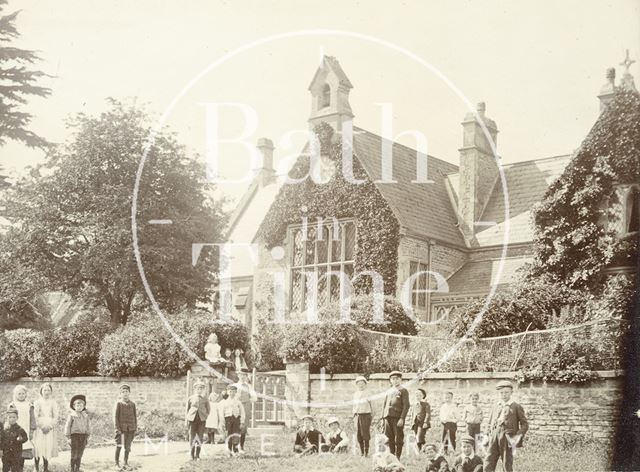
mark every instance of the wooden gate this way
{"type": "Point", "coordinates": [270, 406]}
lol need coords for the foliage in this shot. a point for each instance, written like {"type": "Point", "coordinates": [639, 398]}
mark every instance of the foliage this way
{"type": "Point", "coordinates": [362, 314]}
{"type": "Point", "coordinates": [377, 230]}
{"type": "Point", "coordinates": [72, 218]}
{"type": "Point", "coordinates": [157, 424]}
{"type": "Point", "coordinates": [69, 351]}
{"type": "Point", "coordinates": [269, 339]}
{"type": "Point", "coordinates": [17, 350]}
{"type": "Point", "coordinates": [146, 347]}
{"type": "Point", "coordinates": [572, 244]}
{"type": "Point", "coordinates": [336, 347]}
{"type": "Point", "coordinates": [18, 85]}
{"type": "Point", "coordinates": [528, 303]}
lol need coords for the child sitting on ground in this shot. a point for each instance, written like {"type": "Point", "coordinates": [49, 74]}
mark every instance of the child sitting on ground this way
{"type": "Point", "coordinates": [387, 462]}
{"type": "Point", "coordinates": [435, 462]}
{"type": "Point", "coordinates": [468, 461]}
{"type": "Point", "coordinates": [338, 440]}
{"type": "Point", "coordinates": [308, 439]}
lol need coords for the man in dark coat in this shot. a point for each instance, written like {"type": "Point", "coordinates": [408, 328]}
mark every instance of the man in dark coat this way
{"type": "Point", "coordinates": [394, 412]}
{"type": "Point", "coordinates": [507, 427]}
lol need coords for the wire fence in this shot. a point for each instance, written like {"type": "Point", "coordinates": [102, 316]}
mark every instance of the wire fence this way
{"type": "Point", "coordinates": [438, 352]}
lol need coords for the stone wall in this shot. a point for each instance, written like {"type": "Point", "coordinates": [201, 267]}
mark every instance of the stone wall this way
{"type": "Point", "coordinates": [164, 395]}
{"type": "Point", "coordinates": [553, 409]}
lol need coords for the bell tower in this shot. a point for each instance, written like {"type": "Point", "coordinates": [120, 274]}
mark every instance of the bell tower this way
{"type": "Point", "coordinates": [330, 95]}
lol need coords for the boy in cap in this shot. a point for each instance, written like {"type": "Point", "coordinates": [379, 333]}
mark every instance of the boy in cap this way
{"type": "Point", "coordinates": [468, 461]}
{"type": "Point", "coordinates": [308, 439]}
{"type": "Point", "coordinates": [247, 396]}
{"type": "Point", "coordinates": [362, 415]}
{"type": "Point", "coordinates": [234, 419]}
{"type": "Point", "coordinates": [394, 413]}
{"type": "Point", "coordinates": [198, 410]}
{"type": "Point", "coordinates": [420, 417]}
{"type": "Point", "coordinates": [12, 438]}
{"type": "Point", "coordinates": [338, 440]}
{"type": "Point", "coordinates": [507, 427]}
{"type": "Point", "coordinates": [435, 461]}
{"type": "Point", "coordinates": [125, 422]}
{"type": "Point", "coordinates": [77, 429]}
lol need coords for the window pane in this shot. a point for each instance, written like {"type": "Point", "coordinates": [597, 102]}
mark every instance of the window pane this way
{"type": "Point", "coordinates": [336, 246]}
{"type": "Point", "coordinates": [297, 290]}
{"type": "Point", "coordinates": [349, 241]}
{"type": "Point", "coordinates": [323, 289]}
{"type": "Point", "coordinates": [334, 292]}
{"type": "Point", "coordinates": [322, 246]}
{"type": "Point", "coordinates": [310, 251]}
{"type": "Point", "coordinates": [297, 248]}
{"type": "Point", "coordinates": [632, 211]}
{"type": "Point", "coordinates": [422, 285]}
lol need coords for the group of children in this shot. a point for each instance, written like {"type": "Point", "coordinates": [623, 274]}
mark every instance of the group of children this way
{"type": "Point", "coordinates": [506, 427]}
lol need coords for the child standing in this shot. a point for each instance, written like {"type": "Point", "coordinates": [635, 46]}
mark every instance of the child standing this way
{"type": "Point", "coordinates": [338, 440]}
{"type": "Point", "coordinates": [362, 415]}
{"type": "Point", "coordinates": [473, 416]}
{"type": "Point", "coordinates": [77, 429]}
{"type": "Point", "coordinates": [420, 414]}
{"type": "Point", "coordinates": [449, 420]}
{"type": "Point", "coordinates": [26, 419]}
{"type": "Point", "coordinates": [234, 419]}
{"type": "Point", "coordinates": [247, 396]}
{"type": "Point", "coordinates": [125, 422]}
{"type": "Point", "coordinates": [213, 420]}
{"type": "Point", "coordinates": [198, 410]}
{"type": "Point", "coordinates": [45, 443]}
{"type": "Point", "coordinates": [12, 438]}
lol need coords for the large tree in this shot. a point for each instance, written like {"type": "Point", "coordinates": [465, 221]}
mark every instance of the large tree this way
{"type": "Point", "coordinates": [73, 229]}
{"type": "Point", "coordinates": [18, 82]}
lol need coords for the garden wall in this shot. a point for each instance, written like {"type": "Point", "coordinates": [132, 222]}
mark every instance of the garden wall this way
{"type": "Point", "coordinates": [163, 395]}
{"type": "Point", "coordinates": [553, 409]}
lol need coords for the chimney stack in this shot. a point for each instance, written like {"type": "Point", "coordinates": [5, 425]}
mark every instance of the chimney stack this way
{"type": "Point", "coordinates": [478, 170]}
{"type": "Point", "coordinates": [608, 90]}
{"type": "Point", "coordinates": [266, 175]}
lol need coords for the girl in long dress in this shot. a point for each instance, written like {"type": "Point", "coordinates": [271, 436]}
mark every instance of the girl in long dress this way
{"type": "Point", "coordinates": [26, 419]}
{"type": "Point", "coordinates": [45, 442]}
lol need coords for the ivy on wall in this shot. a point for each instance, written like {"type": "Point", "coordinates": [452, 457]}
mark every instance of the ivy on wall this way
{"type": "Point", "coordinates": [572, 245]}
{"type": "Point", "coordinates": [377, 230]}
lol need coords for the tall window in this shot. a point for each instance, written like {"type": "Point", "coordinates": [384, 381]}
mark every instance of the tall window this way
{"type": "Point", "coordinates": [418, 291]}
{"type": "Point", "coordinates": [325, 100]}
{"type": "Point", "coordinates": [632, 212]}
{"type": "Point", "coordinates": [330, 247]}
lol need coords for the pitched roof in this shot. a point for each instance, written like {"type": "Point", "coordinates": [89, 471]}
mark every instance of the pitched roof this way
{"type": "Point", "coordinates": [479, 276]}
{"type": "Point", "coordinates": [526, 183]}
{"type": "Point", "coordinates": [331, 63]}
{"type": "Point", "coordinates": [421, 208]}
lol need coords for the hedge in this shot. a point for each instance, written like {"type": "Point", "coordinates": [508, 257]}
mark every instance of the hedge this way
{"type": "Point", "coordinates": [17, 352]}
{"type": "Point", "coordinates": [145, 347]}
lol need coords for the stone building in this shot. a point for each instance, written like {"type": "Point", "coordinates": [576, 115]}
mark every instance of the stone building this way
{"type": "Point", "coordinates": [462, 232]}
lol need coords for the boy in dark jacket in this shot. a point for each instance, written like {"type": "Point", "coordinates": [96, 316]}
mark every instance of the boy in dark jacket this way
{"type": "Point", "coordinates": [125, 422]}
{"type": "Point", "coordinates": [394, 413]}
{"type": "Point", "coordinates": [468, 461]}
{"type": "Point", "coordinates": [11, 440]}
{"type": "Point", "coordinates": [420, 414]}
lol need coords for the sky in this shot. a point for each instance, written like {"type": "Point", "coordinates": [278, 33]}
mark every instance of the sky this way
{"type": "Point", "coordinates": [538, 65]}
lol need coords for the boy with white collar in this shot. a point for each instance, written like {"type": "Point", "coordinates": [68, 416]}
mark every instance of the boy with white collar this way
{"type": "Point", "coordinates": [468, 461]}
{"type": "Point", "coordinates": [507, 427]}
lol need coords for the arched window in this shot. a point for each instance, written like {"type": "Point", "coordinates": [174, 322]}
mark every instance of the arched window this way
{"type": "Point", "coordinates": [632, 211]}
{"type": "Point", "coordinates": [325, 100]}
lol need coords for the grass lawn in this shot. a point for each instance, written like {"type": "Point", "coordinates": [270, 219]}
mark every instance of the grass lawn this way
{"type": "Point", "coordinates": [537, 455]}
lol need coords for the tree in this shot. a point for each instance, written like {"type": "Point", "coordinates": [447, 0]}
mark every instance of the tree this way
{"type": "Point", "coordinates": [73, 229]}
{"type": "Point", "coordinates": [18, 82]}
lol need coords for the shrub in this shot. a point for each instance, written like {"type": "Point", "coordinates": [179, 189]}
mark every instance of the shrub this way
{"type": "Point", "coordinates": [17, 349]}
{"type": "Point", "coordinates": [529, 303]}
{"type": "Point", "coordinates": [145, 347]}
{"type": "Point", "coordinates": [362, 313]}
{"type": "Point", "coordinates": [269, 339]}
{"type": "Point", "coordinates": [336, 347]}
{"type": "Point", "coordinates": [70, 351]}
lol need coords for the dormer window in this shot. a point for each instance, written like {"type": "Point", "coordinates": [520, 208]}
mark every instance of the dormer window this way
{"type": "Point", "coordinates": [632, 212]}
{"type": "Point", "coordinates": [325, 98]}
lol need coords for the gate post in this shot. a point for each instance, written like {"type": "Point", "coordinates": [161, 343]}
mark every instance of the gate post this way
{"type": "Point", "coordinates": [297, 390]}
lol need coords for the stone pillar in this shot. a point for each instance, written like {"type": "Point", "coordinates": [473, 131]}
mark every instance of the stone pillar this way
{"type": "Point", "coordinates": [296, 390]}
